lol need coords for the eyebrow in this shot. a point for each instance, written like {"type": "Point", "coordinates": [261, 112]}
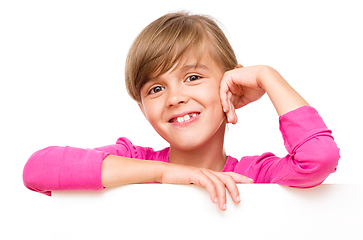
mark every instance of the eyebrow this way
{"type": "Point", "coordinates": [193, 66]}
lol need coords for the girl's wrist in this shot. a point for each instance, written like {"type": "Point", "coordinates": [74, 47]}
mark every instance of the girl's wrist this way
{"type": "Point", "coordinates": [159, 171]}
{"type": "Point", "coordinates": [266, 76]}
{"type": "Point", "coordinates": [282, 95]}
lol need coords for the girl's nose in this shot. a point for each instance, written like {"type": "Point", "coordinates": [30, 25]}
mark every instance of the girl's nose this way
{"type": "Point", "coordinates": [176, 97]}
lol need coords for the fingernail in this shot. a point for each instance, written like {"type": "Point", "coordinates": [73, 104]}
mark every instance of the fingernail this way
{"type": "Point", "coordinates": [224, 207]}
{"type": "Point", "coordinates": [215, 200]}
{"type": "Point", "coordinates": [238, 199]}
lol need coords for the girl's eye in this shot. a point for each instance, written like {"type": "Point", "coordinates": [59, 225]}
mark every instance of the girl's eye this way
{"type": "Point", "coordinates": [192, 78]}
{"type": "Point", "coordinates": [156, 89]}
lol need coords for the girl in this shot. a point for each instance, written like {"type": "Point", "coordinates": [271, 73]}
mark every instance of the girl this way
{"type": "Point", "coordinates": [183, 73]}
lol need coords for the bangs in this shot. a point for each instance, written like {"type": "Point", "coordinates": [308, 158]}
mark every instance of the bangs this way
{"type": "Point", "coordinates": [171, 47]}
{"type": "Point", "coordinates": [169, 42]}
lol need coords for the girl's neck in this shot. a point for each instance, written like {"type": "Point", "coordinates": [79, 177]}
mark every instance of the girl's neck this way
{"type": "Point", "coordinates": [211, 155]}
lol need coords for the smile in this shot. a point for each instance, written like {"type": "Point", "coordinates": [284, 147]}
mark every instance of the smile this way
{"type": "Point", "coordinates": [184, 118]}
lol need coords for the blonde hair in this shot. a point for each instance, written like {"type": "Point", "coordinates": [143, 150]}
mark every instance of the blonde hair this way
{"type": "Point", "coordinates": [163, 43]}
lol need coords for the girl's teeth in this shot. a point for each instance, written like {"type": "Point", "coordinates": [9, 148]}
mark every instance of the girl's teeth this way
{"type": "Point", "coordinates": [185, 118]}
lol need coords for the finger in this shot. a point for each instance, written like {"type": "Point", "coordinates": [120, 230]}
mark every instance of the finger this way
{"type": "Point", "coordinates": [229, 112]}
{"type": "Point", "coordinates": [238, 178]}
{"type": "Point", "coordinates": [204, 181]}
{"type": "Point", "coordinates": [220, 189]}
{"type": "Point", "coordinates": [241, 102]}
{"type": "Point", "coordinates": [234, 115]}
{"type": "Point", "coordinates": [231, 115]}
{"type": "Point", "coordinates": [228, 88]}
{"type": "Point", "coordinates": [234, 87]}
{"type": "Point", "coordinates": [231, 186]}
{"type": "Point", "coordinates": [223, 93]}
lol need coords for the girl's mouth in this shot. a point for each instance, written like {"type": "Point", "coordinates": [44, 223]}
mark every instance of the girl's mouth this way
{"type": "Point", "coordinates": [184, 118]}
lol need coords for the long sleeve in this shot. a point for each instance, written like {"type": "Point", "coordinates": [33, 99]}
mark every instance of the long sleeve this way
{"type": "Point", "coordinates": [312, 153]}
{"type": "Point", "coordinates": [68, 168]}
{"type": "Point", "coordinates": [64, 168]}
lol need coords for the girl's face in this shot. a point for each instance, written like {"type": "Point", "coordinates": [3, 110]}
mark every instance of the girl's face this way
{"type": "Point", "coordinates": [183, 104]}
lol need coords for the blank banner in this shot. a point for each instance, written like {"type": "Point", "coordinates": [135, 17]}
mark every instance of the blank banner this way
{"type": "Point", "coordinates": [162, 211]}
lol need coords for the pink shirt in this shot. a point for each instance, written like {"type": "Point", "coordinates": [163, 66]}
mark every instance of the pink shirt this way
{"type": "Point", "coordinates": [312, 156]}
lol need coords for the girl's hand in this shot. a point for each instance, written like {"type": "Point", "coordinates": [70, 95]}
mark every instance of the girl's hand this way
{"type": "Point", "coordinates": [215, 182]}
{"type": "Point", "coordinates": [238, 88]}
{"type": "Point", "coordinates": [242, 86]}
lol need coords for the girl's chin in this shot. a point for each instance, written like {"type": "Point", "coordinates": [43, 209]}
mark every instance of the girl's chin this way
{"type": "Point", "coordinates": [192, 139]}
{"type": "Point", "coordinates": [186, 146]}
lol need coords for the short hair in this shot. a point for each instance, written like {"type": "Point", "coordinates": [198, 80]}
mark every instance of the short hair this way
{"type": "Point", "coordinates": [163, 43]}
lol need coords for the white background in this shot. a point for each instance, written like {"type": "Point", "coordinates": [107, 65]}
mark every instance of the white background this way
{"type": "Point", "coordinates": [62, 66]}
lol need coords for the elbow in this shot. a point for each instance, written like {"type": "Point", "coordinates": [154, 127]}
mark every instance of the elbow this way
{"type": "Point", "coordinates": [329, 157]}
{"type": "Point", "coordinates": [319, 163]}
{"type": "Point", "coordinates": [332, 158]}
{"type": "Point", "coordinates": [36, 171]}
{"type": "Point", "coordinates": [63, 168]}
{"type": "Point", "coordinates": [326, 164]}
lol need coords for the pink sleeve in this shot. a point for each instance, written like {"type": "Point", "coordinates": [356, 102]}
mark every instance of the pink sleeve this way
{"type": "Point", "coordinates": [64, 168]}
{"type": "Point", "coordinates": [68, 168]}
{"type": "Point", "coordinates": [312, 153]}
{"type": "Point", "coordinates": [125, 148]}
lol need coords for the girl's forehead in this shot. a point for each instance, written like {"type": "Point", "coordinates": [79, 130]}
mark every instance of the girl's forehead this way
{"type": "Point", "coordinates": [191, 62]}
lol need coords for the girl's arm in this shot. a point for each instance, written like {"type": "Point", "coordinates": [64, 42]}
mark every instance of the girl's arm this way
{"type": "Point", "coordinates": [118, 170]}
{"type": "Point", "coordinates": [244, 85]}
{"type": "Point", "coordinates": [68, 168]}
{"type": "Point", "coordinates": [313, 154]}
{"type": "Point", "coordinates": [282, 95]}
